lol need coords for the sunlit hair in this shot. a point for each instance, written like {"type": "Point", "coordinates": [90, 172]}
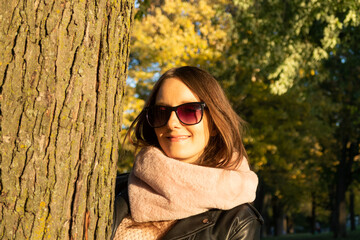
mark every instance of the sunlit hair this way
{"type": "Point", "coordinates": [228, 126]}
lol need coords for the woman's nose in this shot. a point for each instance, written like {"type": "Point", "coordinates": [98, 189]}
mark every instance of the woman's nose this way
{"type": "Point", "coordinates": [173, 121]}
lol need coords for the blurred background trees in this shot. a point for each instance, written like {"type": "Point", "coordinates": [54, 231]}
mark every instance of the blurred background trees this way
{"type": "Point", "coordinates": [291, 69]}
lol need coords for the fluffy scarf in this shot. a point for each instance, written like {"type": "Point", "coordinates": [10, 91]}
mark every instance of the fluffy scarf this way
{"type": "Point", "coordinates": [163, 188]}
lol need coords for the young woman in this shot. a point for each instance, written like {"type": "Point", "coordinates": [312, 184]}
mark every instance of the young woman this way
{"type": "Point", "coordinates": [191, 178]}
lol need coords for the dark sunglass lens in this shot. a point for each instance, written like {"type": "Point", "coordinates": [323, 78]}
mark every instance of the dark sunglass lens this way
{"type": "Point", "coordinates": [190, 113]}
{"type": "Point", "coordinates": [158, 116]}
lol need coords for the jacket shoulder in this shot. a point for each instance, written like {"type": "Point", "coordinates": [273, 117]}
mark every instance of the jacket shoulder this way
{"type": "Point", "coordinates": [247, 211]}
{"type": "Point", "coordinates": [246, 222]}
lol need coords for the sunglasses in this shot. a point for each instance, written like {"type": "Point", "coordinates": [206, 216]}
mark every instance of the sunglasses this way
{"type": "Point", "coordinates": [188, 114]}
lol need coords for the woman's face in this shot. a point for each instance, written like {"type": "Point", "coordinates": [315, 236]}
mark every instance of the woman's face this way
{"type": "Point", "coordinates": [182, 142]}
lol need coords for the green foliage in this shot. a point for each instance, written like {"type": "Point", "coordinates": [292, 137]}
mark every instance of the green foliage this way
{"type": "Point", "coordinates": [286, 40]}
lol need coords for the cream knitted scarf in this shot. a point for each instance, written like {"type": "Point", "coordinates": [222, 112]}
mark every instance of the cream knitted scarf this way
{"type": "Point", "coordinates": [162, 188]}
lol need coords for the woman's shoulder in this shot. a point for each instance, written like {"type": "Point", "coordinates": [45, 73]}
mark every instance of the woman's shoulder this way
{"type": "Point", "coordinates": [245, 211]}
{"type": "Point", "coordinates": [238, 217]}
{"type": "Point", "coordinates": [243, 221]}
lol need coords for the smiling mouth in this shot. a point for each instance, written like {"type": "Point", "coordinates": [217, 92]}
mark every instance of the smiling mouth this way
{"type": "Point", "coordinates": [177, 138]}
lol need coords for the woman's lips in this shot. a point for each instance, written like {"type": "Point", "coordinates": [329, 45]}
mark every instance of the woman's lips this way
{"type": "Point", "coordinates": [178, 138]}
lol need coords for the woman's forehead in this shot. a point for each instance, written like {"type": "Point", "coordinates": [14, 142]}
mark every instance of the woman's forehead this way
{"type": "Point", "coordinates": [174, 92]}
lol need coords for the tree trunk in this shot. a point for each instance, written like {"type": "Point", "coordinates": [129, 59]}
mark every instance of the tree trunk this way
{"type": "Point", "coordinates": [353, 152]}
{"type": "Point", "coordinates": [313, 213]}
{"type": "Point", "coordinates": [289, 225]}
{"type": "Point", "coordinates": [340, 207]}
{"type": "Point", "coordinates": [344, 179]}
{"type": "Point", "coordinates": [279, 218]}
{"type": "Point", "coordinates": [352, 210]}
{"type": "Point", "coordinates": [63, 67]}
{"type": "Point", "coordinates": [259, 204]}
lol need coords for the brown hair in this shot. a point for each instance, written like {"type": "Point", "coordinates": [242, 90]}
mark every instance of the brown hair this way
{"type": "Point", "coordinates": [227, 125]}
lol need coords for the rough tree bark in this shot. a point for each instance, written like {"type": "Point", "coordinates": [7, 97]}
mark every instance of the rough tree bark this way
{"type": "Point", "coordinates": [63, 66]}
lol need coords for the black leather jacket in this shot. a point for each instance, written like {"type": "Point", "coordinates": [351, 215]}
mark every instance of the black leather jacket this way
{"type": "Point", "coordinates": [242, 222]}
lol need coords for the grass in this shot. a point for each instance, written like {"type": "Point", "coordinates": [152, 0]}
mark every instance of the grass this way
{"type": "Point", "coordinates": [355, 235]}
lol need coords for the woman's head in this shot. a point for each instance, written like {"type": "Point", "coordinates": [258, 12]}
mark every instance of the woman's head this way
{"type": "Point", "coordinates": [210, 140]}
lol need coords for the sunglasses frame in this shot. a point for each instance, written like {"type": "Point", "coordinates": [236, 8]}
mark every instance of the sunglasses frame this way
{"type": "Point", "coordinates": [174, 109]}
